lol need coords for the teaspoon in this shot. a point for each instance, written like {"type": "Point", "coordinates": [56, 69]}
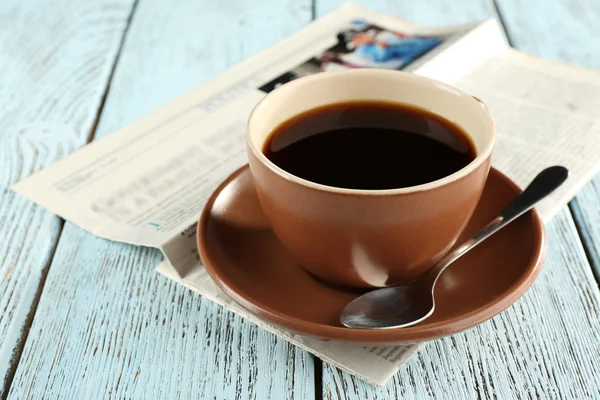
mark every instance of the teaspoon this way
{"type": "Point", "coordinates": [408, 304]}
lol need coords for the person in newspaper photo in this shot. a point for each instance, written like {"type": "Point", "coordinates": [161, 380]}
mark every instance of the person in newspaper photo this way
{"type": "Point", "coordinates": [364, 45]}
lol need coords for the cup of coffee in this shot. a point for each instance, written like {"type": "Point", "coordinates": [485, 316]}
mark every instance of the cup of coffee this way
{"type": "Point", "coordinates": [368, 176]}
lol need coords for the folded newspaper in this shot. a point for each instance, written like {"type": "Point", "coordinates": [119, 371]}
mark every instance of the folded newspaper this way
{"type": "Point", "coordinates": [146, 184]}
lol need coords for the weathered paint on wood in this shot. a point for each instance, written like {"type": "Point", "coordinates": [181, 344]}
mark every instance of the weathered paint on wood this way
{"type": "Point", "coordinates": [55, 60]}
{"type": "Point", "coordinates": [107, 325]}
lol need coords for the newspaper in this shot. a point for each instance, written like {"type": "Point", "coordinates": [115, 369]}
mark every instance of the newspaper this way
{"type": "Point", "coordinates": [147, 183]}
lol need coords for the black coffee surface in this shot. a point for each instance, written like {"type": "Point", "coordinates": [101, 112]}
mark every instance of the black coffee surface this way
{"type": "Point", "coordinates": [369, 145]}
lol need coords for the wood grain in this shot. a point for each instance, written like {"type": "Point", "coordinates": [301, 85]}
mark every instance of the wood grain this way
{"type": "Point", "coordinates": [546, 345]}
{"type": "Point", "coordinates": [54, 73]}
{"type": "Point", "coordinates": [107, 325]}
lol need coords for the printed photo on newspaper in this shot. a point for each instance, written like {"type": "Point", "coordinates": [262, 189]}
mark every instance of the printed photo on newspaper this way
{"type": "Point", "coordinates": [147, 183]}
{"type": "Point", "coordinates": [363, 45]}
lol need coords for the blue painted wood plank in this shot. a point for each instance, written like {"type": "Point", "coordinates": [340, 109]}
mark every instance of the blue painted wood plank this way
{"type": "Point", "coordinates": [544, 345]}
{"type": "Point", "coordinates": [107, 325]}
{"type": "Point", "coordinates": [54, 70]}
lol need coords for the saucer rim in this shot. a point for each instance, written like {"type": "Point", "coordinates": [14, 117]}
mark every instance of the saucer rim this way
{"type": "Point", "coordinates": [414, 333]}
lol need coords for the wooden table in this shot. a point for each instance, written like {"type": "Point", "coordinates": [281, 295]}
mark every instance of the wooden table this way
{"type": "Point", "coordinates": [85, 318]}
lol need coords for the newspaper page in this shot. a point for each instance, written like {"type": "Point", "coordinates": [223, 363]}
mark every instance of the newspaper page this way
{"type": "Point", "coordinates": [147, 183]}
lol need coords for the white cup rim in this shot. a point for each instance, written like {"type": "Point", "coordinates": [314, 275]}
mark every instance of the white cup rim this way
{"type": "Point", "coordinates": [481, 157]}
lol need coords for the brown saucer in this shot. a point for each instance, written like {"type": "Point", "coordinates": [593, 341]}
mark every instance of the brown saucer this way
{"type": "Point", "coordinates": [244, 258]}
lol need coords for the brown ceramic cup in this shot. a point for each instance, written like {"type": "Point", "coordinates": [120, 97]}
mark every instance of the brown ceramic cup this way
{"type": "Point", "coordinates": [368, 238]}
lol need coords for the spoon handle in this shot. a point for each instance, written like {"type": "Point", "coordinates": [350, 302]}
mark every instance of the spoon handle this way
{"type": "Point", "coordinates": [541, 186]}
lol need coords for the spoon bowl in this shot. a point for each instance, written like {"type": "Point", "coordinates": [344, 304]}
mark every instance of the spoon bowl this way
{"type": "Point", "coordinates": [412, 303]}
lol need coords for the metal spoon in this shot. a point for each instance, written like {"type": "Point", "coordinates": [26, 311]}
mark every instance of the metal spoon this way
{"type": "Point", "coordinates": [409, 304]}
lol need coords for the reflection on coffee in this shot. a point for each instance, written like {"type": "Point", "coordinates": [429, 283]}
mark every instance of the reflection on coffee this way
{"type": "Point", "coordinates": [369, 145]}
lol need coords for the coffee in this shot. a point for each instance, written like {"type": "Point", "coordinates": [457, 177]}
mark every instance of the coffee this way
{"type": "Point", "coordinates": [370, 145]}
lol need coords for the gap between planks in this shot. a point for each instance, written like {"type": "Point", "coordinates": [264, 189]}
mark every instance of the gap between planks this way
{"type": "Point", "coordinates": [16, 357]}
{"type": "Point", "coordinates": [112, 74]}
{"type": "Point", "coordinates": [318, 374]}
{"type": "Point", "coordinates": [586, 243]}
{"type": "Point", "coordinates": [502, 22]}
{"type": "Point", "coordinates": [29, 320]}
